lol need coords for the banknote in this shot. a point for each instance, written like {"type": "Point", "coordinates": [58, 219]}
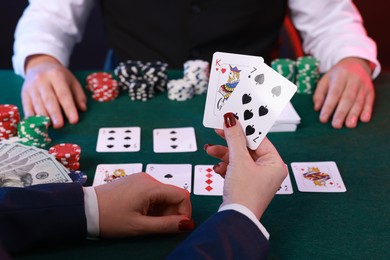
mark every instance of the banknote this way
{"type": "Point", "coordinates": [26, 157]}
{"type": "Point", "coordinates": [12, 150]}
{"type": "Point", "coordinates": [46, 170]}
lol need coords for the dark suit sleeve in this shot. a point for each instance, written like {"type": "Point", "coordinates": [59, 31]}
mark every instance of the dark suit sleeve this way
{"type": "Point", "coordinates": [226, 235]}
{"type": "Point", "coordinates": [41, 214]}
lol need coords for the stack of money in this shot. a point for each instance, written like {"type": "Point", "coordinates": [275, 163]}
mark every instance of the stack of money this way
{"type": "Point", "coordinates": [22, 166]}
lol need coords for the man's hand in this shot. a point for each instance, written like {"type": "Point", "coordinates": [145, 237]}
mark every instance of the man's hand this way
{"type": "Point", "coordinates": [49, 88]}
{"type": "Point", "coordinates": [251, 177]}
{"type": "Point", "coordinates": [139, 204]}
{"type": "Point", "coordinates": [347, 92]}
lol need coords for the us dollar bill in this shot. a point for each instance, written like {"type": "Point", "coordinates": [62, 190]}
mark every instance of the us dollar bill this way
{"type": "Point", "coordinates": [26, 157]}
{"type": "Point", "coordinates": [46, 170]}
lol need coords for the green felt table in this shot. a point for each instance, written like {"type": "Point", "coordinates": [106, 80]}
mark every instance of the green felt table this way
{"type": "Point", "coordinates": [350, 225]}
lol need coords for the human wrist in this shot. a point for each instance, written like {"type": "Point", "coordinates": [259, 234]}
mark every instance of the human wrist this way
{"type": "Point", "coordinates": [35, 59]}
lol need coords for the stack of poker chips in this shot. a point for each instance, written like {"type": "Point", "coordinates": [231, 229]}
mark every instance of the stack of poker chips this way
{"type": "Point", "coordinates": [142, 80]}
{"type": "Point", "coordinates": [67, 154]}
{"type": "Point", "coordinates": [197, 72]}
{"type": "Point", "coordinates": [307, 74]}
{"type": "Point", "coordinates": [285, 67]}
{"type": "Point", "coordinates": [103, 86]}
{"type": "Point", "coordinates": [9, 119]}
{"type": "Point", "coordinates": [33, 131]}
{"type": "Point", "coordinates": [194, 82]}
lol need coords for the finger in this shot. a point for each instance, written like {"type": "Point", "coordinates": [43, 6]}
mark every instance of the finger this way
{"type": "Point", "coordinates": [167, 224]}
{"type": "Point", "coordinates": [320, 92]}
{"type": "Point", "coordinates": [345, 104]}
{"type": "Point", "coordinates": [368, 107]}
{"type": "Point", "coordinates": [169, 195]}
{"type": "Point", "coordinates": [52, 107]}
{"type": "Point", "coordinates": [79, 95]}
{"type": "Point", "coordinates": [218, 151]}
{"type": "Point", "coordinates": [65, 97]}
{"type": "Point", "coordinates": [37, 102]}
{"type": "Point", "coordinates": [235, 137]}
{"type": "Point", "coordinates": [221, 168]}
{"type": "Point", "coordinates": [220, 132]}
{"type": "Point", "coordinates": [28, 108]}
{"type": "Point", "coordinates": [266, 153]}
{"type": "Point", "coordinates": [356, 109]}
{"type": "Point", "coordinates": [335, 91]}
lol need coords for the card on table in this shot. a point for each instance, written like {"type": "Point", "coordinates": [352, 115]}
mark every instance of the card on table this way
{"type": "Point", "coordinates": [318, 177]}
{"type": "Point", "coordinates": [109, 172]}
{"type": "Point", "coordinates": [286, 187]}
{"type": "Point", "coordinates": [257, 97]}
{"type": "Point", "coordinates": [206, 181]}
{"type": "Point", "coordinates": [179, 175]}
{"type": "Point", "coordinates": [174, 140]}
{"type": "Point", "coordinates": [119, 139]}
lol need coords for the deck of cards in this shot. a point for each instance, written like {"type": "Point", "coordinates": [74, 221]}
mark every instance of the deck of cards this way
{"type": "Point", "coordinates": [247, 87]}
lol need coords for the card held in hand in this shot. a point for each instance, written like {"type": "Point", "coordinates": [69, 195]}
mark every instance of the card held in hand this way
{"type": "Point", "coordinates": [257, 97]}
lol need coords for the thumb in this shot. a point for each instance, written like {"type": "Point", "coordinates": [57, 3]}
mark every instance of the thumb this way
{"type": "Point", "coordinates": [168, 224]}
{"type": "Point", "coordinates": [234, 136]}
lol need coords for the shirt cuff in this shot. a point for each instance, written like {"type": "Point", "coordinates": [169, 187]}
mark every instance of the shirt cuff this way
{"type": "Point", "coordinates": [245, 211]}
{"type": "Point", "coordinates": [91, 212]}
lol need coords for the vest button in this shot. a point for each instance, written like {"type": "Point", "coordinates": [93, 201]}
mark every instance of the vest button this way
{"type": "Point", "coordinates": [196, 9]}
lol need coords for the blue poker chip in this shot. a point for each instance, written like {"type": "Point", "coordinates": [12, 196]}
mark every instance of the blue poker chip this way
{"type": "Point", "coordinates": [78, 176]}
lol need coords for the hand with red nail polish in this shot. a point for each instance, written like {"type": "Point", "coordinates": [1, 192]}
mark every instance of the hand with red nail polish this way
{"type": "Point", "coordinates": [139, 204]}
{"type": "Point", "coordinates": [251, 177]}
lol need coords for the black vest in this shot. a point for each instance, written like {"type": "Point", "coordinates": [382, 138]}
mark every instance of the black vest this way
{"type": "Point", "coordinates": [175, 31]}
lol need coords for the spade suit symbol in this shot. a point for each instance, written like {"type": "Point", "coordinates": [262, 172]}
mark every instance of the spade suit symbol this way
{"type": "Point", "coordinates": [246, 99]}
{"type": "Point", "coordinates": [276, 91]}
{"type": "Point", "coordinates": [111, 138]}
{"type": "Point", "coordinates": [249, 130]}
{"type": "Point", "coordinates": [248, 114]}
{"type": "Point", "coordinates": [263, 110]}
{"type": "Point", "coordinates": [168, 176]}
{"type": "Point", "coordinates": [259, 79]}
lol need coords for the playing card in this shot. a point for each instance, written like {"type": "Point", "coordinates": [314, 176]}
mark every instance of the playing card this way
{"type": "Point", "coordinates": [228, 71]}
{"type": "Point", "coordinates": [206, 181]}
{"type": "Point", "coordinates": [179, 175]}
{"type": "Point", "coordinates": [286, 187]}
{"type": "Point", "coordinates": [174, 140]}
{"type": "Point", "coordinates": [119, 139]}
{"type": "Point", "coordinates": [318, 177]}
{"type": "Point", "coordinates": [109, 172]}
{"type": "Point", "coordinates": [257, 100]}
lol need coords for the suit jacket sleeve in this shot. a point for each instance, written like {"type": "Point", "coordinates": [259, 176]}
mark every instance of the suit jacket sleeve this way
{"type": "Point", "coordinates": [41, 214]}
{"type": "Point", "coordinates": [226, 235]}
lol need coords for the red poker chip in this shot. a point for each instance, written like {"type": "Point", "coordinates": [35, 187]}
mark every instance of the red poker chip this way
{"type": "Point", "coordinates": [97, 77]}
{"type": "Point", "coordinates": [8, 112]}
{"type": "Point", "coordinates": [74, 166]}
{"type": "Point", "coordinates": [65, 150]}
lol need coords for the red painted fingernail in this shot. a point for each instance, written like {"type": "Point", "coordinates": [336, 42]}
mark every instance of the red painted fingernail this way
{"type": "Point", "coordinates": [215, 166]}
{"type": "Point", "coordinates": [207, 146]}
{"type": "Point", "coordinates": [230, 119]}
{"type": "Point", "coordinates": [186, 225]}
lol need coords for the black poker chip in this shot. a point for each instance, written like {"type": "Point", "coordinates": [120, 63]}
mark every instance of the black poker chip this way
{"type": "Point", "coordinates": [78, 176]}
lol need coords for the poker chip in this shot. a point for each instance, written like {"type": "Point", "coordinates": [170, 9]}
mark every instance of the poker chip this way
{"type": "Point", "coordinates": [67, 154]}
{"type": "Point", "coordinates": [78, 176]}
{"type": "Point", "coordinates": [197, 72]}
{"type": "Point", "coordinates": [307, 74]}
{"type": "Point", "coordinates": [103, 87]}
{"type": "Point", "coordinates": [285, 67]}
{"type": "Point", "coordinates": [142, 79]}
{"type": "Point", "coordinates": [9, 119]}
{"type": "Point", "coordinates": [180, 89]}
{"type": "Point", "coordinates": [33, 131]}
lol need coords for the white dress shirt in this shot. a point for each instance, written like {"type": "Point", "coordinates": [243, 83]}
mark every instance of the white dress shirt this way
{"type": "Point", "coordinates": [331, 30]}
